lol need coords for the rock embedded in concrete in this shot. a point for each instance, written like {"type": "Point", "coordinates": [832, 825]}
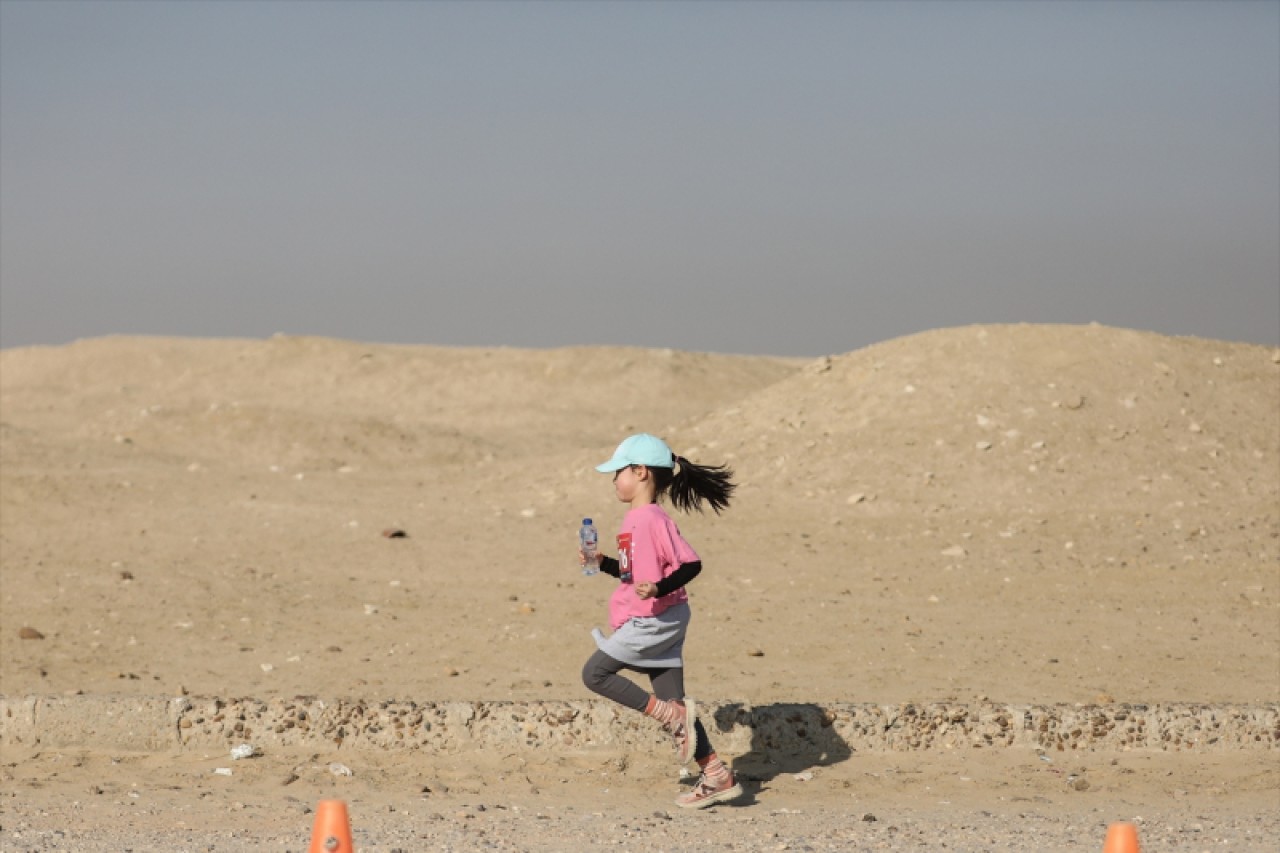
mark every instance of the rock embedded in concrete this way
{"type": "Point", "coordinates": [829, 732]}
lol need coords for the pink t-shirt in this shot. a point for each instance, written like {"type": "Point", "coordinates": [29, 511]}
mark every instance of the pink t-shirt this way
{"type": "Point", "coordinates": [651, 548]}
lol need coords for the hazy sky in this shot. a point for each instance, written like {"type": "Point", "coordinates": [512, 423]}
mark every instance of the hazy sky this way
{"type": "Point", "coordinates": [794, 178]}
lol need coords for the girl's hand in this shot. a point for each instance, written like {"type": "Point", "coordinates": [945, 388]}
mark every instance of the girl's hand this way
{"type": "Point", "coordinates": [582, 557]}
{"type": "Point", "coordinates": [646, 590]}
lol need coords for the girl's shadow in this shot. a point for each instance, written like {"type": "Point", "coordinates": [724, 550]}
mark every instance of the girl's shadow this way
{"type": "Point", "coordinates": [785, 739]}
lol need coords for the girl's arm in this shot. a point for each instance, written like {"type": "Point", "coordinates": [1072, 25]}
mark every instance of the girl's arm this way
{"type": "Point", "coordinates": [672, 582]}
{"type": "Point", "coordinates": [609, 566]}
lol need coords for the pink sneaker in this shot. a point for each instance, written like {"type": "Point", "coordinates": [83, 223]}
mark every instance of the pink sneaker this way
{"type": "Point", "coordinates": [706, 794]}
{"type": "Point", "coordinates": [685, 732]}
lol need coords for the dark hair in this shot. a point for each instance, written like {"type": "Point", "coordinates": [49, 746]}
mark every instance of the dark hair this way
{"type": "Point", "coordinates": [693, 484]}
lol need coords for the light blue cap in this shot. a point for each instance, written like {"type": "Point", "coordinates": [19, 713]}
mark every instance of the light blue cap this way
{"type": "Point", "coordinates": [639, 449]}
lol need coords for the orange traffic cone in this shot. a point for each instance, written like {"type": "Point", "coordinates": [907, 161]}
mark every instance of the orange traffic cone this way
{"type": "Point", "coordinates": [1121, 838]}
{"type": "Point", "coordinates": [332, 832]}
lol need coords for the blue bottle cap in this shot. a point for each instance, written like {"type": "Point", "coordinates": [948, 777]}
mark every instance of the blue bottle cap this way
{"type": "Point", "coordinates": [586, 521]}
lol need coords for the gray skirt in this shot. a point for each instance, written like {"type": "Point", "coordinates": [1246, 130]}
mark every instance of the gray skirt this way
{"type": "Point", "coordinates": [656, 641]}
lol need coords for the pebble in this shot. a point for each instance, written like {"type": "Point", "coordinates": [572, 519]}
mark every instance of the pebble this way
{"type": "Point", "coordinates": [28, 633]}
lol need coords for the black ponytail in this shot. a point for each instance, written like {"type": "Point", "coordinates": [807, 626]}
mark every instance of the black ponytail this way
{"type": "Point", "coordinates": [692, 485]}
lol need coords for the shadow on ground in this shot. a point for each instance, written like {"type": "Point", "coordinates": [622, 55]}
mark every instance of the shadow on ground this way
{"type": "Point", "coordinates": [785, 739]}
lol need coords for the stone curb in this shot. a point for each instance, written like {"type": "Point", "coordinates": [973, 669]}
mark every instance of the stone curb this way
{"type": "Point", "coordinates": [825, 732]}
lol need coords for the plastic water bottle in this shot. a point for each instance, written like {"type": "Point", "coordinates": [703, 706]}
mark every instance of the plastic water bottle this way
{"type": "Point", "coordinates": [588, 538]}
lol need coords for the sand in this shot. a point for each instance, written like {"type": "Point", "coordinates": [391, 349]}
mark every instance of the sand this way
{"type": "Point", "coordinates": [1042, 516]}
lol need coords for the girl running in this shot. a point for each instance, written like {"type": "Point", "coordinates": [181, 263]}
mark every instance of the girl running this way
{"type": "Point", "coordinates": [649, 609]}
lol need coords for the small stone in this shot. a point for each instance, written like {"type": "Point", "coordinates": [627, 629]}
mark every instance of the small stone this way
{"type": "Point", "coordinates": [450, 671]}
{"type": "Point", "coordinates": [756, 653]}
{"type": "Point", "coordinates": [855, 498]}
{"type": "Point", "coordinates": [869, 818]}
{"type": "Point", "coordinates": [983, 445]}
{"type": "Point", "coordinates": [27, 633]}
{"type": "Point", "coordinates": [1081, 784]}
{"type": "Point", "coordinates": [395, 533]}
{"type": "Point", "coordinates": [954, 551]}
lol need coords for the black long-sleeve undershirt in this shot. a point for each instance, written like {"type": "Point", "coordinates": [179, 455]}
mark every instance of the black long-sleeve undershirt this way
{"type": "Point", "coordinates": [672, 582]}
{"type": "Point", "coordinates": [678, 578]}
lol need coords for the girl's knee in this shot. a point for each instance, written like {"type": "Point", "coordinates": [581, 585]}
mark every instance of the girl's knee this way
{"type": "Point", "coordinates": [593, 677]}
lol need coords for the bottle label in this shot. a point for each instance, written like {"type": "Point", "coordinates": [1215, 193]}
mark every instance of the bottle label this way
{"type": "Point", "coordinates": [624, 557]}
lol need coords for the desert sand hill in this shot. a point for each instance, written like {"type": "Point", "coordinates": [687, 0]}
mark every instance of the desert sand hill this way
{"type": "Point", "coordinates": [1027, 513]}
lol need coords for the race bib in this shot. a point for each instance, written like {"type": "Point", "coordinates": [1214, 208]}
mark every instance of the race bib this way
{"type": "Point", "coordinates": [624, 557]}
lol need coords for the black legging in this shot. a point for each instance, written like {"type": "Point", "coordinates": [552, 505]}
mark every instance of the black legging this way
{"type": "Point", "coordinates": [600, 674]}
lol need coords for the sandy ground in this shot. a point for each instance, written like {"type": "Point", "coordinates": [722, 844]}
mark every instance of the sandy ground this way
{"type": "Point", "coordinates": [1035, 514]}
{"type": "Point", "coordinates": [1000, 801]}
